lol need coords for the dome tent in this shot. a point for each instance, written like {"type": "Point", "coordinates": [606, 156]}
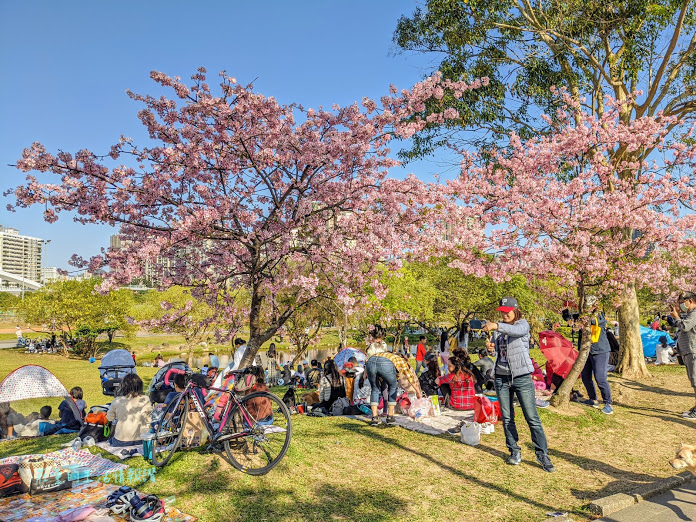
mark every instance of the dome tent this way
{"type": "Point", "coordinates": [34, 382]}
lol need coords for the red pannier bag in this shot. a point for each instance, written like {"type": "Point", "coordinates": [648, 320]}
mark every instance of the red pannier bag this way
{"type": "Point", "coordinates": [486, 410]}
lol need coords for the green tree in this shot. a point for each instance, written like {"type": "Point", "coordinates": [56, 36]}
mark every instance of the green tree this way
{"type": "Point", "coordinates": [8, 301]}
{"type": "Point", "coordinates": [591, 48]}
{"type": "Point", "coordinates": [78, 311]}
{"type": "Point", "coordinates": [175, 310]}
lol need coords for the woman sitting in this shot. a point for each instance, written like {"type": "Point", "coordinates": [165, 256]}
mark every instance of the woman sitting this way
{"type": "Point", "coordinates": [428, 379]}
{"type": "Point", "coordinates": [260, 408]}
{"type": "Point", "coordinates": [131, 411]}
{"type": "Point", "coordinates": [331, 387]}
{"type": "Point", "coordinates": [458, 385]}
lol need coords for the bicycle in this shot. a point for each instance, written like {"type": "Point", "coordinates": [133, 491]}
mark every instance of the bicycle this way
{"type": "Point", "coordinates": [253, 446]}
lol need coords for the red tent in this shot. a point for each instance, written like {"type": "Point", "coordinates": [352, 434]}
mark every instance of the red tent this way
{"type": "Point", "coordinates": [559, 352]}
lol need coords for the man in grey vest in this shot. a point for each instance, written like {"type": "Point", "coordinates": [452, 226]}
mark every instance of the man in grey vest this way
{"type": "Point", "coordinates": [685, 321]}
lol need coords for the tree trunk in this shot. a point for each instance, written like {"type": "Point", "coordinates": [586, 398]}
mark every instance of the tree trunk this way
{"type": "Point", "coordinates": [631, 359]}
{"type": "Point", "coordinates": [299, 355]}
{"type": "Point", "coordinates": [562, 396]}
{"type": "Point", "coordinates": [190, 355]}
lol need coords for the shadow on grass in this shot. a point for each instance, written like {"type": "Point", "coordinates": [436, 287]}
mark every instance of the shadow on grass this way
{"type": "Point", "coordinates": [380, 435]}
{"type": "Point", "coordinates": [639, 386]}
{"type": "Point", "coordinates": [223, 498]}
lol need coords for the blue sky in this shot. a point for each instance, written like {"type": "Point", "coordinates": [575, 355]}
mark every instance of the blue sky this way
{"type": "Point", "coordinates": [66, 67]}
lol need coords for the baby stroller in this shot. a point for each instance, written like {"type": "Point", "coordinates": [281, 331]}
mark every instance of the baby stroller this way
{"type": "Point", "coordinates": [157, 389]}
{"type": "Point", "coordinates": [113, 368]}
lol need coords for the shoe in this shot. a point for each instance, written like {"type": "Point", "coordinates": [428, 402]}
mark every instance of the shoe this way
{"type": "Point", "coordinates": [691, 414]}
{"type": "Point", "coordinates": [515, 458]}
{"type": "Point", "coordinates": [374, 421]}
{"type": "Point", "coordinates": [456, 430]}
{"type": "Point", "coordinates": [390, 419]}
{"type": "Point", "coordinates": [89, 442]}
{"type": "Point", "coordinates": [541, 403]}
{"type": "Point", "coordinates": [546, 464]}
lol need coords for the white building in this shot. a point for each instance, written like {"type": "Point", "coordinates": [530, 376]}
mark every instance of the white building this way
{"type": "Point", "coordinates": [21, 257]}
{"type": "Point", "coordinates": [50, 274]}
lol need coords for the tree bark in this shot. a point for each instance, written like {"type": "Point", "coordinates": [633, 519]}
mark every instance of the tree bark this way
{"type": "Point", "coordinates": [561, 398]}
{"type": "Point", "coordinates": [631, 359]}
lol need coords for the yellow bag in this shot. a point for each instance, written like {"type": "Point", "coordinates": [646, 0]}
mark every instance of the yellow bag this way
{"type": "Point", "coordinates": [595, 330]}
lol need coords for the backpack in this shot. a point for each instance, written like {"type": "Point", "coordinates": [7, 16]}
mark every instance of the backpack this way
{"type": "Point", "coordinates": [339, 405]}
{"type": "Point", "coordinates": [290, 398]}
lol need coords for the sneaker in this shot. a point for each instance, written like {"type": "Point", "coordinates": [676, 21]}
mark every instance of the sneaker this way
{"type": "Point", "coordinates": [546, 464]}
{"type": "Point", "coordinates": [541, 403]}
{"type": "Point", "coordinates": [515, 458]}
{"type": "Point", "coordinates": [390, 419]}
{"type": "Point", "coordinates": [607, 410]}
{"type": "Point", "coordinates": [456, 430]}
{"type": "Point", "coordinates": [374, 421]}
{"type": "Point", "coordinates": [691, 414]}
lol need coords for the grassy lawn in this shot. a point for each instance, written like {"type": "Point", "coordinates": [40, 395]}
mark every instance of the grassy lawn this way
{"type": "Point", "coordinates": [339, 468]}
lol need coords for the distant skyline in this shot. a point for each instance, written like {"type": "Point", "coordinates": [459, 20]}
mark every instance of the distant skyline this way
{"type": "Point", "coordinates": [67, 67]}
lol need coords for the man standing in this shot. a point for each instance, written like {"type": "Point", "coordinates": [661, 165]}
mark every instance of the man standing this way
{"type": "Point", "coordinates": [214, 361]}
{"type": "Point", "coordinates": [597, 364]}
{"type": "Point", "coordinates": [686, 338]}
{"type": "Point", "coordinates": [420, 354]}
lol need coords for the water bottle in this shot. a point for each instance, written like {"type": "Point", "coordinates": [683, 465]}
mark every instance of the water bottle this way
{"type": "Point", "coordinates": [77, 444]}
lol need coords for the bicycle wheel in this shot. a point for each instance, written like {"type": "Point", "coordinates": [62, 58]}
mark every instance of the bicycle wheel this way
{"type": "Point", "coordinates": [169, 431]}
{"type": "Point", "coordinates": [258, 444]}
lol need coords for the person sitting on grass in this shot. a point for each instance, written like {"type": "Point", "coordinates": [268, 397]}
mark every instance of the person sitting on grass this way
{"type": "Point", "coordinates": [9, 418]}
{"type": "Point", "coordinates": [663, 352]}
{"type": "Point", "coordinates": [428, 379]}
{"type": "Point", "coordinates": [32, 426]}
{"type": "Point", "coordinates": [299, 378]}
{"type": "Point", "coordinates": [458, 385]}
{"type": "Point", "coordinates": [260, 408]}
{"type": "Point", "coordinates": [331, 387]}
{"type": "Point", "coordinates": [314, 375]}
{"type": "Point", "coordinates": [69, 422]}
{"type": "Point", "coordinates": [131, 411]}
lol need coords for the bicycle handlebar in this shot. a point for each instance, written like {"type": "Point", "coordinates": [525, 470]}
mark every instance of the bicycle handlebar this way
{"type": "Point", "coordinates": [170, 371]}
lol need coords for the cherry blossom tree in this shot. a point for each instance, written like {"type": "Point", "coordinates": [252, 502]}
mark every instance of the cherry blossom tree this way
{"type": "Point", "coordinates": [241, 192]}
{"type": "Point", "coordinates": [555, 207]}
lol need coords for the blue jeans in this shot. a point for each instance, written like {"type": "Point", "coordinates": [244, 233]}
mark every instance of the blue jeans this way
{"type": "Point", "coordinates": [381, 367]}
{"type": "Point", "coordinates": [419, 366]}
{"type": "Point", "coordinates": [597, 365]}
{"type": "Point", "coordinates": [506, 387]}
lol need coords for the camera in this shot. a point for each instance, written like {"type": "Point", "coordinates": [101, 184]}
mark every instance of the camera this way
{"type": "Point", "coordinates": [477, 324]}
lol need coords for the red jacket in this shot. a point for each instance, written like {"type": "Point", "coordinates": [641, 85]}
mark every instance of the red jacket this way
{"type": "Point", "coordinates": [420, 352]}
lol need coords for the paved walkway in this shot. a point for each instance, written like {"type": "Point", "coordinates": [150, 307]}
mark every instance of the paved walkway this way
{"type": "Point", "coordinates": [675, 505]}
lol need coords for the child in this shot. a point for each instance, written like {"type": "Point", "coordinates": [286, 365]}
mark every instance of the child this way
{"type": "Point", "coordinates": [458, 385]}
{"type": "Point", "coordinates": [68, 420]}
{"type": "Point", "coordinates": [33, 426]}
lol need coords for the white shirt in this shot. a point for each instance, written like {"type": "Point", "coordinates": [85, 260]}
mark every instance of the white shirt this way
{"type": "Point", "coordinates": [662, 354]}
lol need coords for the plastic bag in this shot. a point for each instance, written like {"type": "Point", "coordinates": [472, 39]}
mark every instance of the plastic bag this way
{"type": "Point", "coordinates": [471, 433]}
{"type": "Point", "coordinates": [420, 408]}
{"type": "Point", "coordinates": [484, 410]}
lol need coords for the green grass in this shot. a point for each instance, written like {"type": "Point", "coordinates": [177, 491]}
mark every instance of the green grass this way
{"type": "Point", "coordinates": [338, 468]}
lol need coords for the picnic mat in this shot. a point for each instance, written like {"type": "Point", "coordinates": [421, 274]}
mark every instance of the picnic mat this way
{"type": "Point", "coordinates": [117, 451]}
{"type": "Point", "coordinates": [48, 506]}
{"type": "Point", "coordinates": [435, 425]}
{"type": "Point", "coordinates": [97, 464]}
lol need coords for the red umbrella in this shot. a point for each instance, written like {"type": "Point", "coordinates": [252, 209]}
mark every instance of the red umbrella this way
{"type": "Point", "coordinates": [559, 352]}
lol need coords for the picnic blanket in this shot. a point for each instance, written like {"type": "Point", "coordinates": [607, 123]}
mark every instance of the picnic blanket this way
{"type": "Point", "coordinates": [48, 506]}
{"type": "Point", "coordinates": [436, 425]}
{"type": "Point", "coordinates": [118, 451]}
{"type": "Point", "coordinates": [68, 457]}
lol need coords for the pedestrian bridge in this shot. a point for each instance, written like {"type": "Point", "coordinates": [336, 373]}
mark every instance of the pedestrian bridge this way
{"type": "Point", "coordinates": [18, 283]}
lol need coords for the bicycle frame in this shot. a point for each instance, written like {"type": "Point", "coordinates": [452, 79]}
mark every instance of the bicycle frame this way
{"type": "Point", "coordinates": [216, 435]}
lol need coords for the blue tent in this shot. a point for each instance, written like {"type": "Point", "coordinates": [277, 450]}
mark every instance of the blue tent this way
{"type": "Point", "coordinates": [651, 338]}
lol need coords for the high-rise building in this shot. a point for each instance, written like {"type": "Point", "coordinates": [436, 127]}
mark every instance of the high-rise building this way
{"type": "Point", "coordinates": [20, 255]}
